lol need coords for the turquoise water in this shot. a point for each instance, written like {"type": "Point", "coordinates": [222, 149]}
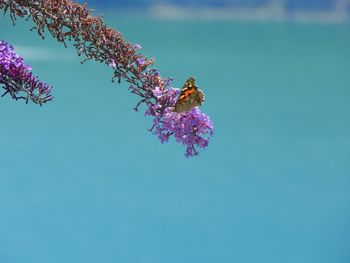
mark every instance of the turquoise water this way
{"type": "Point", "coordinates": [82, 180]}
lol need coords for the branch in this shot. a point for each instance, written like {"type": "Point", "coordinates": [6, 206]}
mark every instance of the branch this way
{"type": "Point", "coordinates": [69, 21]}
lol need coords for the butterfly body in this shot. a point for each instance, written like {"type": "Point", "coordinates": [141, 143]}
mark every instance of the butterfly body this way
{"type": "Point", "coordinates": [190, 97]}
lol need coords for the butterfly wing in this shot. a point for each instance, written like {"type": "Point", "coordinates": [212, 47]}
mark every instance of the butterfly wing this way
{"type": "Point", "coordinates": [190, 97]}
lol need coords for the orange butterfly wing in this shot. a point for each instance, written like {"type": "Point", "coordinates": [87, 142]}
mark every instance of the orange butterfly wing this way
{"type": "Point", "coordinates": [190, 97]}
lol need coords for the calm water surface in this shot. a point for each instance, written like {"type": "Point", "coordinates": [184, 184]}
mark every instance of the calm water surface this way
{"type": "Point", "coordinates": [82, 180]}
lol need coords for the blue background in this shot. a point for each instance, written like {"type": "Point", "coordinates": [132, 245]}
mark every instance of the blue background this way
{"type": "Point", "coordinates": [82, 180]}
{"type": "Point", "coordinates": [289, 4]}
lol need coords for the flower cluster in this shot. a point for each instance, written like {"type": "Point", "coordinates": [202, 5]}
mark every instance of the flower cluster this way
{"type": "Point", "coordinates": [17, 80]}
{"type": "Point", "coordinates": [192, 128]}
{"type": "Point", "coordinates": [69, 21]}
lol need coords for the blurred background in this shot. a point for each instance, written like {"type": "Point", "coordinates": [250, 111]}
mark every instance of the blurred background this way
{"type": "Point", "coordinates": [276, 10]}
{"type": "Point", "coordinates": [82, 180]}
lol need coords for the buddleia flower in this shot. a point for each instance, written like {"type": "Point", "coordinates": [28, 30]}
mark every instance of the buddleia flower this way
{"type": "Point", "coordinates": [17, 79]}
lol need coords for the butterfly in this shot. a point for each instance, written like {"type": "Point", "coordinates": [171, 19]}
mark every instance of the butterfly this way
{"type": "Point", "coordinates": [190, 97]}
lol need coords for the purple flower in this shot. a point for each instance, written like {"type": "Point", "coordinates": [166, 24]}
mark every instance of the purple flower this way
{"type": "Point", "coordinates": [141, 61]}
{"type": "Point", "coordinates": [112, 64]}
{"type": "Point", "coordinates": [137, 46]}
{"type": "Point", "coordinates": [17, 80]}
{"type": "Point", "coordinates": [192, 128]}
{"type": "Point", "coordinates": [157, 92]}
